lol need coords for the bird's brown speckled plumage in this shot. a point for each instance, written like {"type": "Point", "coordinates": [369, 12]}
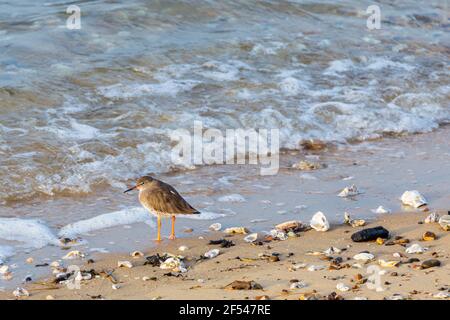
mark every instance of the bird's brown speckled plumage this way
{"type": "Point", "coordinates": [162, 199]}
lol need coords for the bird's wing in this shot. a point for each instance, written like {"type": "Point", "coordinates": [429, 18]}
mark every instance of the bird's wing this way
{"type": "Point", "coordinates": [168, 200]}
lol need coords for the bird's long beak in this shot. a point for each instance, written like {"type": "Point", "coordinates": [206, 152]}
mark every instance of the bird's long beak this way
{"type": "Point", "coordinates": [132, 188]}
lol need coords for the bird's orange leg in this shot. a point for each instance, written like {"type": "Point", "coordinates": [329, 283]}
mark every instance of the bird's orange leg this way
{"type": "Point", "coordinates": [172, 236]}
{"type": "Point", "coordinates": [159, 229]}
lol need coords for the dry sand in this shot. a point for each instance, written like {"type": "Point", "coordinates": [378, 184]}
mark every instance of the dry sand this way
{"type": "Point", "coordinates": [206, 279]}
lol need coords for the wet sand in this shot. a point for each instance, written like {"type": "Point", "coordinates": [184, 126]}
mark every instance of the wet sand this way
{"type": "Point", "coordinates": [206, 279]}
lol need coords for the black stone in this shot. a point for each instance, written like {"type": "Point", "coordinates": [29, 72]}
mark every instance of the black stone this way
{"type": "Point", "coordinates": [370, 234]}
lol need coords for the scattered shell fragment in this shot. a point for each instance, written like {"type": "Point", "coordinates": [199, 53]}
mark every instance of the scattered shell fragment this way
{"type": "Point", "coordinates": [264, 297]}
{"type": "Point", "coordinates": [137, 254]}
{"type": "Point", "coordinates": [298, 285]}
{"type": "Point", "coordinates": [75, 254]}
{"type": "Point", "coordinates": [354, 223]}
{"type": "Point", "coordinates": [212, 253]}
{"type": "Point", "coordinates": [413, 198]}
{"type": "Point", "coordinates": [428, 236]}
{"type": "Point", "coordinates": [251, 237]}
{"type": "Point", "coordinates": [298, 266]}
{"type": "Point", "coordinates": [432, 217]}
{"type": "Point", "coordinates": [236, 230]}
{"type": "Point", "coordinates": [277, 234]}
{"type": "Point", "coordinates": [349, 191]}
{"type": "Point", "coordinates": [444, 222]}
{"type": "Point", "coordinates": [364, 256]}
{"type": "Point", "coordinates": [388, 264]}
{"type": "Point", "coordinates": [215, 227]}
{"type": "Point", "coordinates": [174, 264]}
{"type": "Point", "coordinates": [306, 165]}
{"type": "Point", "coordinates": [243, 285]}
{"type": "Point", "coordinates": [21, 292]}
{"type": "Point", "coordinates": [415, 248]}
{"type": "Point", "coordinates": [342, 287]}
{"type": "Point", "coordinates": [115, 286]}
{"type": "Point", "coordinates": [332, 250]}
{"type": "Point", "coordinates": [183, 248]}
{"type": "Point", "coordinates": [319, 222]}
{"type": "Point", "coordinates": [292, 225]}
{"type": "Point", "coordinates": [315, 268]}
{"type": "Point", "coordinates": [49, 297]}
{"type": "Point", "coordinates": [124, 264]}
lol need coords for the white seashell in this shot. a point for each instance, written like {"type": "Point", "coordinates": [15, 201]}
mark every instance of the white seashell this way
{"type": "Point", "coordinates": [413, 198]}
{"type": "Point", "coordinates": [183, 248]}
{"type": "Point", "coordinates": [397, 255]}
{"type": "Point", "coordinates": [315, 267]}
{"type": "Point", "coordinates": [364, 256]}
{"type": "Point", "coordinates": [251, 237]}
{"type": "Point", "coordinates": [381, 210]}
{"type": "Point", "coordinates": [360, 298]}
{"type": "Point", "coordinates": [298, 285]}
{"type": "Point", "coordinates": [444, 222]}
{"type": "Point", "coordinates": [215, 227]}
{"type": "Point", "coordinates": [349, 191]}
{"type": "Point", "coordinates": [73, 255]}
{"type": "Point", "coordinates": [55, 264]}
{"type": "Point", "coordinates": [342, 287]}
{"type": "Point", "coordinates": [21, 292]}
{"type": "Point", "coordinates": [49, 297]}
{"type": "Point", "coordinates": [319, 222]}
{"type": "Point", "coordinates": [212, 253]}
{"type": "Point", "coordinates": [432, 217]}
{"type": "Point", "coordinates": [137, 254]}
{"type": "Point", "coordinates": [357, 266]}
{"type": "Point", "coordinates": [415, 248]}
{"type": "Point", "coordinates": [115, 287]}
{"type": "Point", "coordinates": [125, 264]}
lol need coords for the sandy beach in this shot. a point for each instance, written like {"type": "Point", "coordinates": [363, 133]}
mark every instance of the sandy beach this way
{"type": "Point", "coordinates": [207, 278]}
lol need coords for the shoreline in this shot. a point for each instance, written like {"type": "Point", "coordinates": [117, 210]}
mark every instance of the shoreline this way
{"type": "Point", "coordinates": [207, 278]}
{"type": "Point", "coordinates": [382, 170]}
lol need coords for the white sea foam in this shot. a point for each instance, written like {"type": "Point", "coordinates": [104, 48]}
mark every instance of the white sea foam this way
{"type": "Point", "coordinates": [126, 91]}
{"type": "Point", "coordinates": [232, 198]}
{"type": "Point", "coordinates": [29, 233]}
{"type": "Point", "coordinates": [107, 220]}
{"type": "Point", "coordinates": [123, 217]}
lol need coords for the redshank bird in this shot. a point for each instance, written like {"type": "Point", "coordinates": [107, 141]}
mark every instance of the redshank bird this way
{"type": "Point", "coordinates": [162, 200]}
